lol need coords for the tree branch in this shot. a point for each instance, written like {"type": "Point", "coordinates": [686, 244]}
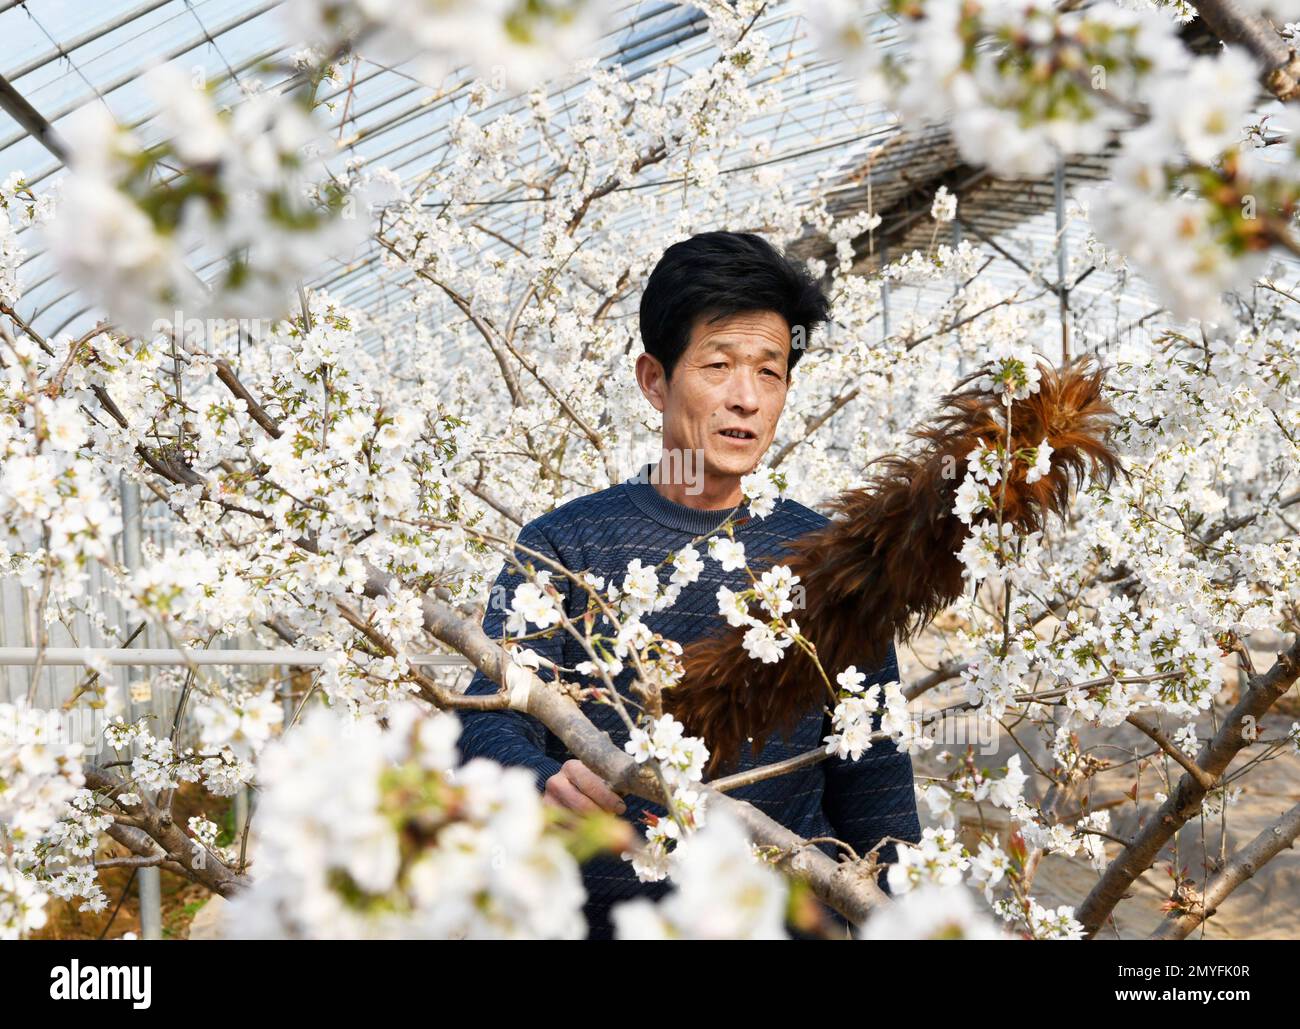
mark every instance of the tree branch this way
{"type": "Point", "coordinates": [1232, 24]}
{"type": "Point", "coordinates": [181, 852]}
{"type": "Point", "coordinates": [1185, 800]}
{"type": "Point", "coordinates": [849, 888]}
{"type": "Point", "coordinates": [1279, 836]}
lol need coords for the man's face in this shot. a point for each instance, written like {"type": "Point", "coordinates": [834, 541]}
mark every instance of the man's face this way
{"type": "Point", "coordinates": [727, 391]}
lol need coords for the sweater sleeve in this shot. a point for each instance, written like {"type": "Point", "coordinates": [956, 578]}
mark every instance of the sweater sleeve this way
{"type": "Point", "coordinates": [873, 797]}
{"type": "Point", "coordinates": [512, 737]}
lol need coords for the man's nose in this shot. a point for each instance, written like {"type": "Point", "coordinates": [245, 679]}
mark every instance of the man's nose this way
{"type": "Point", "coordinates": [742, 391]}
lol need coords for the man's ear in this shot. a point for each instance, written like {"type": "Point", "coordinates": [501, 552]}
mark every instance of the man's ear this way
{"type": "Point", "coordinates": [654, 384]}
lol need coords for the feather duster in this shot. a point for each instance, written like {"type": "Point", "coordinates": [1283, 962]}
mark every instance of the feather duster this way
{"type": "Point", "coordinates": [887, 562]}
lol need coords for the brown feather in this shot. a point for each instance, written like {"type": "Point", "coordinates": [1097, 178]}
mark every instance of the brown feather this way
{"type": "Point", "coordinates": [887, 563]}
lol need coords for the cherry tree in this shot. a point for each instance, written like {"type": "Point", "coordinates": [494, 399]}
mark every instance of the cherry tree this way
{"type": "Point", "coordinates": [350, 485]}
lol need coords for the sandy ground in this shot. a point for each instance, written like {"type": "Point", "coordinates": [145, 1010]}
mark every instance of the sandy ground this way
{"type": "Point", "coordinates": [1266, 906]}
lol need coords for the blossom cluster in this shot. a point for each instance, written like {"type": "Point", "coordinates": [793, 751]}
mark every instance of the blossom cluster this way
{"type": "Point", "coordinates": [680, 760]}
{"type": "Point", "coordinates": [249, 186]}
{"type": "Point", "coordinates": [511, 43]}
{"type": "Point", "coordinates": [723, 891]}
{"type": "Point", "coordinates": [853, 721]}
{"type": "Point", "coordinates": [41, 775]}
{"type": "Point", "coordinates": [1197, 197]}
{"type": "Point", "coordinates": [367, 832]}
{"type": "Point", "coordinates": [1018, 82]}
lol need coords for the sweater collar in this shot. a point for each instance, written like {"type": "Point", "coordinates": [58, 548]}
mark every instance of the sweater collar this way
{"type": "Point", "coordinates": [655, 505]}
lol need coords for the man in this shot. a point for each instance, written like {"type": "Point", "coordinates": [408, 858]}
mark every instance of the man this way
{"type": "Point", "coordinates": [717, 320]}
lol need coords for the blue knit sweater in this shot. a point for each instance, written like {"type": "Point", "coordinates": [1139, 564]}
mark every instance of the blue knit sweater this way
{"type": "Point", "coordinates": [858, 802]}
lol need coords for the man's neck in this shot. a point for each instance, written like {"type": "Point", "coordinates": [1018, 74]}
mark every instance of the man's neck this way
{"type": "Point", "coordinates": [709, 493]}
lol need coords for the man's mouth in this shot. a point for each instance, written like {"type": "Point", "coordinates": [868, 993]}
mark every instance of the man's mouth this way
{"type": "Point", "coordinates": [741, 434]}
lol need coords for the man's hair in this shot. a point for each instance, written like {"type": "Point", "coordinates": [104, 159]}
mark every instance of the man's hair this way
{"type": "Point", "coordinates": [716, 274]}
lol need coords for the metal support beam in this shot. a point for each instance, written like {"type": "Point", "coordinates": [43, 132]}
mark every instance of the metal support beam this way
{"type": "Point", "coordinates": [30, 120]}
{"type": "Point", "coordinates": [139, 700]}
{"type": "Point", "coordinates": [1062, 288]}
{"type": "Point", "coordinates": [961, 355]}
{"type": "Point", "coordinates": [884, 295]}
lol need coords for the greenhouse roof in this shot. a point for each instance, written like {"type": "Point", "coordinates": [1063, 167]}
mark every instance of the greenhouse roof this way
{"type": "Point", "coordinates": [822, 136]}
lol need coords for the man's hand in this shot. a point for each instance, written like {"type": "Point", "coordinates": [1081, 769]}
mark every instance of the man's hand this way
{"type": "Point", "coordinates": [578, 788]}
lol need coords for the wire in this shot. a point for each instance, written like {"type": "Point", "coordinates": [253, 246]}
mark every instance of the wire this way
{"type": "Point", "coordinates": [125, 890]}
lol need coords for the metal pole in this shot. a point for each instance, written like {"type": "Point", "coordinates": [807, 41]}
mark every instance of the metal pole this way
{"type": "Point", "coordinates": [961, 355]}
{"type": "Point", "coordinates": [14, 104]}
{"type": "Point", "coordinates": [138, 700]}
{"type": "Point", "coordinates": [241, 811]}
{"type": "Point", "coordinates": [1062, 291]}
{"type": "Point", "coordinates": [884, 295]}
